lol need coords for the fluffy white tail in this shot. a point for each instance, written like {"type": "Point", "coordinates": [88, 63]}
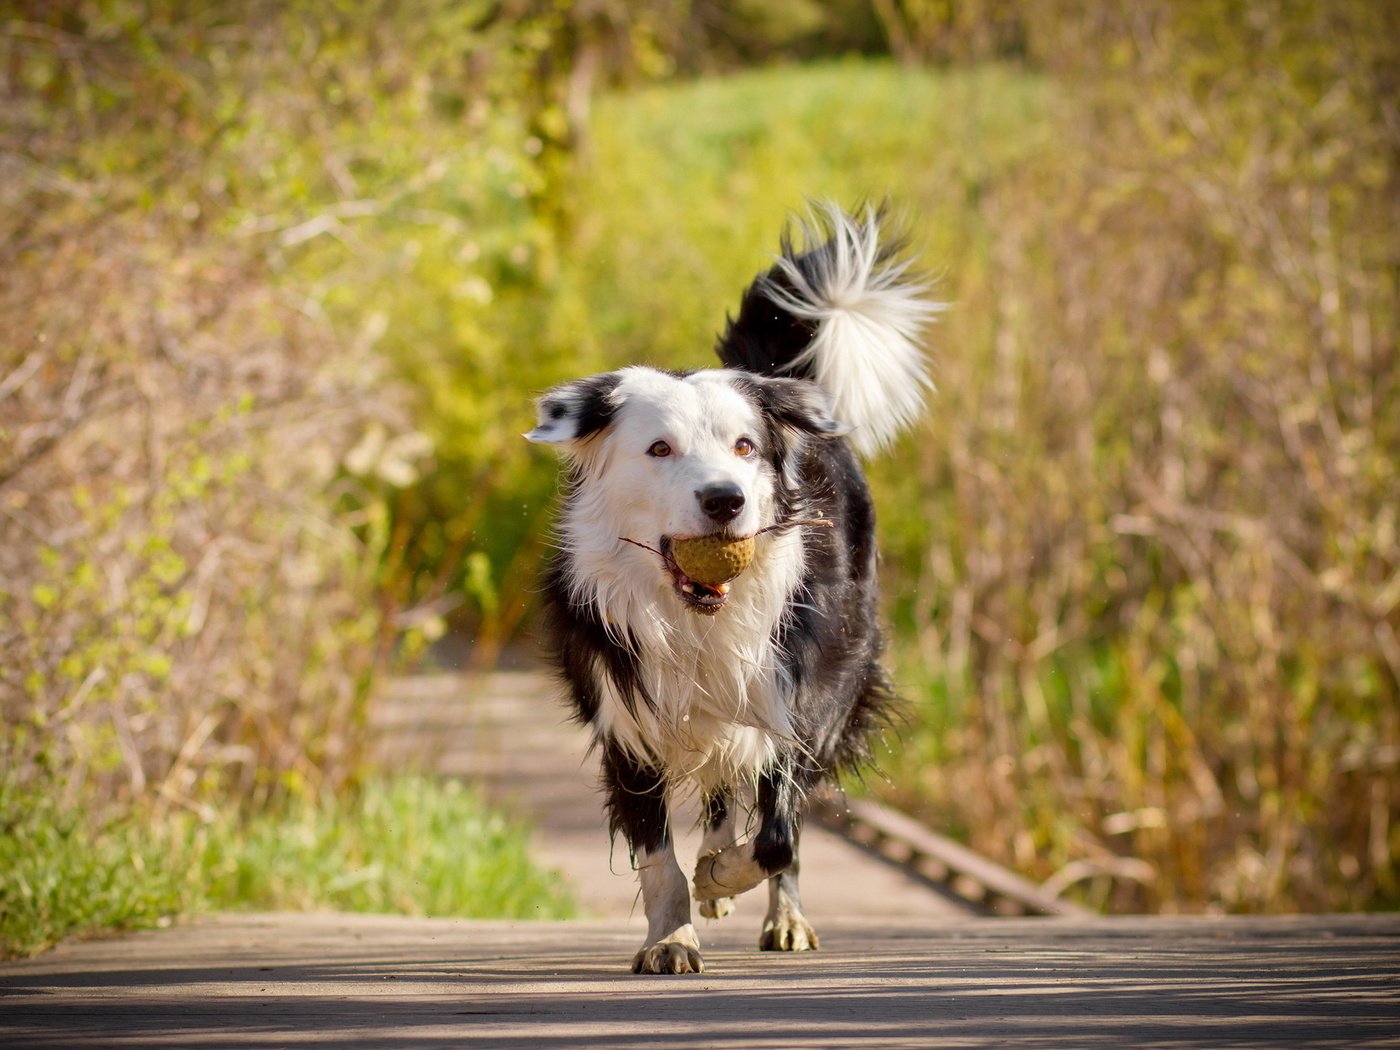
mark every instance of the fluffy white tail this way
{"type": "Point", "coordinates": [869, 314]}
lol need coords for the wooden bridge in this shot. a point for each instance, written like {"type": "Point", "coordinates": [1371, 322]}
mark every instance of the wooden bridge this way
{"type": "Point", "coordinates": [910, 954]}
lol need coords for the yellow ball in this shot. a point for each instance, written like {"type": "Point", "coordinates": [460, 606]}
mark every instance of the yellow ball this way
{"type": "Point", "coordinates": [713, 560]}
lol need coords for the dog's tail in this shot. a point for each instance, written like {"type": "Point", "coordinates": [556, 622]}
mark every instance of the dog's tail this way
{"type": "Point", "coordinates": [845, 311]}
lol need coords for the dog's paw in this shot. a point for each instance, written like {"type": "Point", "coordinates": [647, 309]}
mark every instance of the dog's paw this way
{"type": "Point", "coordinates": [787, 935]}
{"type": "Point", "coordinates": [717, 907]}
{"type": "Point", "coordinates": [726, 873]}
{"type": "Point", "coordinates": [788, 932]}
{"type": "Point", "coordinates": [677, 953]}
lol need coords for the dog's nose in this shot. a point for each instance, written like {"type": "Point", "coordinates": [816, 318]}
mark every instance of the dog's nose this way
{"type": "Point", "coordinates": [721, 502]}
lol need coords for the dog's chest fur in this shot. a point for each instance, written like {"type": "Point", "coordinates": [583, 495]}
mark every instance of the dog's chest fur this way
{"type": "Point", "coordinates": [714, 703]}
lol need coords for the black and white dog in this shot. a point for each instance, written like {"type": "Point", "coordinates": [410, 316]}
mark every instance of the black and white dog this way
{"type": "Point", "coordinates": [754, 691]}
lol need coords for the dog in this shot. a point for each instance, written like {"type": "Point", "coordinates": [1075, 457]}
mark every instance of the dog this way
{"type": "Point", "coordinates": [753, 691]}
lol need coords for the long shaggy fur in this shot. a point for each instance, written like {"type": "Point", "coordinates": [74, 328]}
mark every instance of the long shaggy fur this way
{"type": "Point", "coordinates": [758, 689]}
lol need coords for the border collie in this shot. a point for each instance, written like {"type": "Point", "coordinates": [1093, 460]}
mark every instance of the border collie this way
{"type": "Point", "coordinates": [749, 692]}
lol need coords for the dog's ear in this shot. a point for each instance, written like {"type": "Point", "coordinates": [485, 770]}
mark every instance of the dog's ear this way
{"type": "Point", "coordinates": [794, 409]}
{"type": "Point", "coordinates": [798, 404]}
{"type": "Point", "coordinates": [573, 411]}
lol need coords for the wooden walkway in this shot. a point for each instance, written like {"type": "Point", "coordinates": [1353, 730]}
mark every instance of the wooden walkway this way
{"type": "Point", "coordinates": [510, 733]}
{"type": "Point", "coordinates": [363, 982]}
{"type": "Point", "coordinates": [901, 965]}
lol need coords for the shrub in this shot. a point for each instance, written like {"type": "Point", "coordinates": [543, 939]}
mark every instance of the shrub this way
{"type": "Point", "coordinates": [181, 605]}
{"type": "Point", "coordinates": [207, 218]}
{"type": "Point", "coordinates": [1154, 602]}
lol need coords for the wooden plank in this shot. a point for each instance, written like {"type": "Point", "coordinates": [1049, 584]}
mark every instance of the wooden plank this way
{"type": "Point", "coordinates": [263, 982]}
{"type": "Point", "coordinates": [968, 874]}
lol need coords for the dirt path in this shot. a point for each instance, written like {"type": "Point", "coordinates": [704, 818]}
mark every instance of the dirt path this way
{"type": "Point", "coordinates": [360, 982]}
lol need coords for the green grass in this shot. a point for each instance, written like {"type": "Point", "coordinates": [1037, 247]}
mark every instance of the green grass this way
{"type": "Point", "coordinates": [61, 875]}
{"type": "Point", "coordinates": [688, 186]}
{"type": "Point", "coordinates": [408, 845]}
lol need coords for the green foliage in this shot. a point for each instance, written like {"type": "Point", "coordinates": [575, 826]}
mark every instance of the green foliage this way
{"type": "Point", "coordinates": [412, 846]}
{"type": "Point", "coordinates": [1141, 559]}
{"type": "Point", "coordinates": [1151, 605]}
{"type": "Point", "coordinates": [202, 452]}
{"type": "Point", "coordinates": [691, 185]}
{"type": "Point", "coordinates": [217, 225]}
{"type": "Point", "coordinates": [60, 875]}
{"type": "Point", "coordinates": [408, 845]}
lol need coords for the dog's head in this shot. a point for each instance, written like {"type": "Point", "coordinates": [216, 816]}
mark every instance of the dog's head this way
{"type": "Point", "coordinates": [656, 456]}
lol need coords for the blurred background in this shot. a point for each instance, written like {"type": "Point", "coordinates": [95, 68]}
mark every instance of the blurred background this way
{"type": "Point", "coordinates": [281, 280]}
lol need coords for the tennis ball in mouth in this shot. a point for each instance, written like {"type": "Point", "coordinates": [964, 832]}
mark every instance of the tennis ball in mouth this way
{"type": "Point", "coordinates": [712, 560]}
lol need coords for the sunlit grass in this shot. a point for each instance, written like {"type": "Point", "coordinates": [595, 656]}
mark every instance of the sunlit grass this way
{"type": "Point", "coordinates": [687, 186]}
{"type": "Point", "coordinates": [410, 846]}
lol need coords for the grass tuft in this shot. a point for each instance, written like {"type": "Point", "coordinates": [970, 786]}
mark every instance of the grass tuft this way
{"type": "Point", "coordinates": [407, 845]}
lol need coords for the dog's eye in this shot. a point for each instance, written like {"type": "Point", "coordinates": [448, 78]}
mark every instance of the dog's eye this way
{"type": "Point", "coordinates": [659, 450]}
{"type": "Point", "coordinates": [744, 447]}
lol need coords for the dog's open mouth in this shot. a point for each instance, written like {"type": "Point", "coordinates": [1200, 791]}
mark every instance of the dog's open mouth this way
{"type": "Point", "coordinates": [707, 598]}
{"type": "Point", "coordinates": [721, 554]}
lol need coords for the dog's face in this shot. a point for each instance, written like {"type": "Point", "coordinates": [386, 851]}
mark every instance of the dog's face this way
{"type": "Point", "coordinates": [658, 456]}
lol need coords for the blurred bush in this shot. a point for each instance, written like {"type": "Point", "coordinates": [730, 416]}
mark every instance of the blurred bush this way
{"type": "Point", "coordinates": [244, 245]}
{"type": "Point", "coordinates": [218, 225]}
{"type": "Point", "coordinates": [1156, 600]}
{"type": "Point", "coordinates": [178, 605]}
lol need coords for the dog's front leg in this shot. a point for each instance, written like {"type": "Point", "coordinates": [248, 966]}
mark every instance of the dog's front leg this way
{"type": "Point", "coordinates": [719, 835]}
{"type": "Point", "coordinates": [671, 945]}
{"type": "Point", "coordinates": [730, 871]}
{"type": "Point", "coordinates": [785, 928]}
{"type": "Point", "coordinates": [637, 807]}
